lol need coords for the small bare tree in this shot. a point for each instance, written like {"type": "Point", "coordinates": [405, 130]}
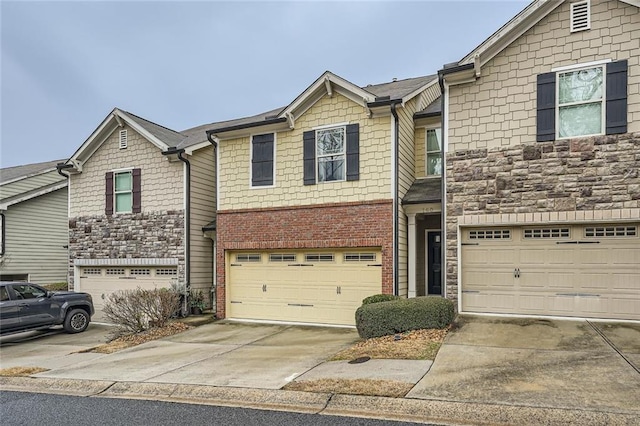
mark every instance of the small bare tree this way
{"type": "Point", "coordinates": [134, 311]}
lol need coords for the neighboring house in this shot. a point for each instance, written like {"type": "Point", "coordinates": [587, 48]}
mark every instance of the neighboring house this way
{"type": "Point", "coordinates": [310, 217]}
{"type": "Point", "coordinates": [543, 164]}
{"type": "Point", "coordinates": [141, 198]}
{"type": "Point", "coordinates": [33, 224]}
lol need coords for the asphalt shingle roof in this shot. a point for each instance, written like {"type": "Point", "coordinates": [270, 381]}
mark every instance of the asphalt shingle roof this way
{"type": "Point", "coordinates": [11, 173]}
{"type": "Point", "coordinates": [428, 190]}
{"type": "Point", "coordinates": [164, 134]}
{"type": "Point", "coordinates": [400, 88]}
{"type": "Point", "coordinates": [434, 108]}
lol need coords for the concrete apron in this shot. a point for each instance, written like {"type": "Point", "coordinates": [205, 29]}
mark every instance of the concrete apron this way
{"type": "Point", "coordinates": [537, 363]}
{"type": "Point", "coordinates": [221, 354]}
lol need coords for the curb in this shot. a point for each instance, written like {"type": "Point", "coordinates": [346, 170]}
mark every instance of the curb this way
{"type": "Point", "coordinates": [399, 409]}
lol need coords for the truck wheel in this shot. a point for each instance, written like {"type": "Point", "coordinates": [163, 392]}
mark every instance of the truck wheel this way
{"type": "Point", "coordinates": [76, 321]}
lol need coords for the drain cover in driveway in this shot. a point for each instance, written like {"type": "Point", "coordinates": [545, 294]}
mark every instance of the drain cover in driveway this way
{"type": "Point", "coordinates": [360, 360]}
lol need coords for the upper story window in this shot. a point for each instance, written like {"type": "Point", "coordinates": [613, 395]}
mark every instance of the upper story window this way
{"type": "Point", "coordinates": [262, 155]}
{"type": "Point", "coordinates": [434, 156]}
{"type": "Point", "coordinates": [585, 100]}
{"type": "Point", "coordinates": [581, 102]}
{"type": "Point", "coordinates": [331, 153]}
{"type": "Point", "coordinates": [123, 184]}
{"type": "Point", "coordinates": [330, 150]}
{"type": "Point", "coordinates": [123, 192]}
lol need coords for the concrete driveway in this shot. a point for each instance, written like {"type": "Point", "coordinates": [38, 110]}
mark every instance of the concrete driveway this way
{"type": "Point", "coordinates": [539, 363]}
{"type": "Point", "coordinates": [51, 348]}
{"type": "Point", "coordinates": [219, 354]}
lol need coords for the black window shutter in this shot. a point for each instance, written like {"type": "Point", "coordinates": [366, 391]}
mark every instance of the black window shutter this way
{"type": "Point", "coordinates": [616, 115]}
{"type": "Point", "coordinates": [262, 160]}
{"type": "Point", "coordinates": [137, 190]}
{"type": "Point", "coordinates": [108, 192]}
{"type": "Point", "coordinates": [546, 107]}
{"type": "Point", "coordinates": [353, 151]}
{"type": "Point", "coordinates": [309, 153]}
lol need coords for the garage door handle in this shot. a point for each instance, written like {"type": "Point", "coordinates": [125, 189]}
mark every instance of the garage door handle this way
{"type": "Point", "coordinates": [264, 287]}
{"type": "Point", "coordinates": [375, 264]}
{"type": "Point", "coordinates": [588, 242]}
{"type": "Point", "coordinates": [516, 273]}
{"type": "Point", "coordinates": [338, 290]}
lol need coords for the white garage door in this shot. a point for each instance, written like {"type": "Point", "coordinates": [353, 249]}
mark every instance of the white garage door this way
{"type": "Point", "coordinates": [590, 271]}
{"type": "Point", "coordinates": [316, 287]}
{"type": "Point", "coordinates": [100, 282]}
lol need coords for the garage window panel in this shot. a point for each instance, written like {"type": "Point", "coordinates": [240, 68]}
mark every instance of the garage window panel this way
{"type": "Point", "coordinates": [92, 271]}
{"type": "Point", "coordinates": [277, 257]}
{"type": "Point", "coordinates": [490, 234]}
{"type": "Point", "coordinates": [544, 233]}
{"type": "Point", "coordinates": [141, 271]}
{"type": "Point", "coordinates": [115, 271]}
{"type": "Point", "coordinates": [166, 271]}
{"type": "Point", "coordinates": [317, 257]}
{"type": "Point", "coordinates": [610, 231]}
{"type": "Point", "coordinates": [248, 258]}
{"type": "Point", "coordinates": [359, 257]}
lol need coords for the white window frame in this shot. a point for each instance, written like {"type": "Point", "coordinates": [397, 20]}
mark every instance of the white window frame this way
{"type": "Point", "coordinates": [603, 100]}
{"type": "Point", "coordinates": [343, 154]}
{"type": "Point", "coordinates": [273, 178]}
{"type": "Point", "coordinates": [115, 192]}
{"type": "Point", "coordinates": [438, 130]}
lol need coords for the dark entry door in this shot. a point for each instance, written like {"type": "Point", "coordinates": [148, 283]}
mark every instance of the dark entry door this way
{"type": "Point", "coordinates": [434, 264]}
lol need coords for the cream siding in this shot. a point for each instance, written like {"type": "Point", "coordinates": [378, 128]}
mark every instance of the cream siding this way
{"type": "Point", "coordinates": [500, 108]}
{"type": "Point", "coordinates": [203, 209]}
{"type": "Point", "coordinates": [406, 176]}
{"type": "Point", "coordinates": [375, 162]}
{"type": "Point", "coordinates": [29, 184]}
{"type": "Point", "coordinates": [35, 235]}
{"type": "Point", "coordinates": [162, 181]}
{"type": "Point", "coordinates": [421, 155]}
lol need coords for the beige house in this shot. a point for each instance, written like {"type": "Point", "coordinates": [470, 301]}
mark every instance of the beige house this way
{"type": "Point", "coordinates": [312, 215]}
{"type": "Point", "coordinates": [542, 132]}
{"type": "Point", "coordinates": [33, 224]}
{"type": "Point", "coordinates": [141, 204]}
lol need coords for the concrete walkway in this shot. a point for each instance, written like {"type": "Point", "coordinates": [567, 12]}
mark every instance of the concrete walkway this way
{"type": "Point", "coordinates": [489, 371]}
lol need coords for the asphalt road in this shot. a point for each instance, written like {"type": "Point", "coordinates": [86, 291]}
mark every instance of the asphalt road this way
{"type": "Point", "coordinates": [20, 408]}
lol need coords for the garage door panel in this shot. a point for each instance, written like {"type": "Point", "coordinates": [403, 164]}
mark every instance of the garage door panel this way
{"type": "Point", "coordinates": [317, 290]}
{"type": "Point", "coordinates": [558, 273]}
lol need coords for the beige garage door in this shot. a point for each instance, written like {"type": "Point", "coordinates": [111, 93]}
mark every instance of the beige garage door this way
{"type": "Point", "coordinates": [316, 287]}
{"type": "Point", "coordinates": [100, 282]}
{"type": "Point", "coordinates": [590, 271]}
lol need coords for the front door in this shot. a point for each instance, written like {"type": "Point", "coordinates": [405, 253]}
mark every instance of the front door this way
{"type": "Point", "coordinates": [434, 263]}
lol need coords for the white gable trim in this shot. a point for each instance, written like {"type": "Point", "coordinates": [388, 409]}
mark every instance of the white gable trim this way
{"type": "Point", "coordinates": [326, 84]}
{"type": "Point", "coordinates": [113, 121]}
{"type": "Point", "coordinates": [511, 31]}
{"type": "Point", "coordinates": [191, 149]}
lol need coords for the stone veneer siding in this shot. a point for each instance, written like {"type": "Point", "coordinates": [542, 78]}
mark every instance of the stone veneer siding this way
{"type": "Point", "coordinates": [583, 179]}
{"type": "Point", "coordinates": [127, 236]}
{"type": "Point", "coordinates": [343, 225]}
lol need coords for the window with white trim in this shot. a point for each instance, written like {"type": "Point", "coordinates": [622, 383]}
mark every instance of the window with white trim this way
{"type": "Point", "coordinates": [166, 271]}
{"type": "Point", "coordinates": [581, 96]}
{"type": "Point", "coordinates": [330, 154]}
{"type": "Point", "coordinates": [433, 152]}
{"type": "Point", "coordinates": [543, 233]}
{"type": "Point", "coordinates": [610, 231]}
{"type": "Point", "coordinates": [317, 257]}
{"type": "Point", "coordinates": [115, 271]}
{"type": "Point", "coordinates": [248, 257]}
{"type": "Point", "coordinates": [123, 192]}
{"type": "Point", "coordinates": [277, 257]}
{"type": "Point", "coordinates": [141, 271]}
{"type": "Point", "coordinates": [359, 257]}
{"type": "Point", "coordinates": [92, 271]}
{"type": "Point", "coordinates": [490, 234]}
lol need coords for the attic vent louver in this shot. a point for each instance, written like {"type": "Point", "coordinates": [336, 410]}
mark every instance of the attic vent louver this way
{"type": "Point", "coordinates": [123, 139]}
{"type": "Point", "coordinates": [580, 16]}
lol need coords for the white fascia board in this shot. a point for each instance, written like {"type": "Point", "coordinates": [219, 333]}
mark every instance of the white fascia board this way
{"type": "Point", "coordinates": [81, 153]}
{"type": "Point", "coordinates": [32, 194]}
{"type": "Point", "coordinates": [247, 132]}
{"type": "Point", "coordinates": [190, 150]}
{"type": "Point", "coordinates": [141, 130]}
{"type": "Point", "coordinates": [513, 29]}
{"type": "Point", "coordinates": [28, 176]}
{"type": "Point", "coordinates": [635, 3]}
{"type": "Point", "coordinates": [419, 90]}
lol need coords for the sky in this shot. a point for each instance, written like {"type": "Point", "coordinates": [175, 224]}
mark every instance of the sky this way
{"type": "Point", "coordinates": [66, 64]}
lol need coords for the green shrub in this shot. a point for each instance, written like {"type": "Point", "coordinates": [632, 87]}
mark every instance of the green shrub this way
{"type": "Point", "coordinates": [377, 298]}
{"type": "Point", "coordinates": [398, 316]}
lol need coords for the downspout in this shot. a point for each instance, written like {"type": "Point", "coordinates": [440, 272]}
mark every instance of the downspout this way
{"type": "Point", "coordinates": [396, 186]}
{"type": "Point", "coordinates": [59, 168]}
{"type": "Point", "coordinates": [443, 199]}
{"type": "Point", "coordinates": [187, 215]}
{"type": "Point", "coordinates": [62, 166]}
{"type": "Point", "coordinates": [214, 294]}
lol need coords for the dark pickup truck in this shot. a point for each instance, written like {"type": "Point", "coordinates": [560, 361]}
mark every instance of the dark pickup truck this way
{"type": "Point", "coordinates": [26, 306]}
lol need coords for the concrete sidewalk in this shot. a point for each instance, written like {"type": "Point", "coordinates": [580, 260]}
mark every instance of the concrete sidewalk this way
{"type": "Point", "coordinates": [489, 371]}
